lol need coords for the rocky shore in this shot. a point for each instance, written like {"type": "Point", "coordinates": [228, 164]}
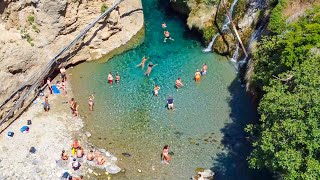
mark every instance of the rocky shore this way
{"type": "Point", "coordinates": [33, 31]}
{"type": "Point", "coordinates": [49, 134]}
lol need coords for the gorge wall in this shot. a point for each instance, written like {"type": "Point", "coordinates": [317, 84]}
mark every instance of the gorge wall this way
{"type": "Point", "coordinates": [34, 31]}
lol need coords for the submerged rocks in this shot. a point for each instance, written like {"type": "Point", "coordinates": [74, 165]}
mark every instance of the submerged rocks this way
{"type": "Point", "coordinates": [203, 174]}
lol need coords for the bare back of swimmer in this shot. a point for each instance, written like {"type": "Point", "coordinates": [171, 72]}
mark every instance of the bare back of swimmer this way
{"type": "Point", "coordinates": [150, 66]}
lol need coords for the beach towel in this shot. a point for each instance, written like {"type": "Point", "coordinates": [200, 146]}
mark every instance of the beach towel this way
{"type": "Point", "coordinates": [24, 129]}
{"type": "Point", "coordinates": [55, 89]}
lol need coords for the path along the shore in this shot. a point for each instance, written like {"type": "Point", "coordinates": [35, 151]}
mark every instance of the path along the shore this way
{"type": "Point", "coordinates": [50, 133]}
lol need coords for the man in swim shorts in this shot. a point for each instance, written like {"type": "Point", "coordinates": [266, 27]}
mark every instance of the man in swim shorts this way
{"type": "Point", "coordinates": [170, 102]}
{"type": "Point", "coordinates": [63, 74]}
{"type": "Point", "coordinates": [167, 36]}
{"type": "Point", "coordinates": [150, 66]}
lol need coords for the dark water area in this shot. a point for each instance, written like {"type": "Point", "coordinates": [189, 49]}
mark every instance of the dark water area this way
{"type": "Point", "coordinates": [206, 128]}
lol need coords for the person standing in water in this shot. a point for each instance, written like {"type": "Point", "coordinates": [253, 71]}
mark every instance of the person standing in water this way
{"type": "Point", "coordinates": [150, 66]}
{"type": "Point", "coordinates": [110, 78]}
{"type": "Point", "coordinates": [165, 155]}
{"type": "Point", "coordinates": [143, 61]}
{"type": "Point", "coordinates": [117, 78]}
{"type": "Point", "coordinates": [204, 69]}
{"type": "Point", "coordinates": [91, 103]}
{"type": "Point", "coordinates": [75, 109]}
{"type": "Point", "coordinates": [178, 83]}
{"type": "Point", "coordinates": [167, 36]}
{"type": "Point", "coordinates": [197, 75]}
{"type": "Point", "coordinates": [170, 102]}
{"type": "Point", "coordinates": [156, 90]}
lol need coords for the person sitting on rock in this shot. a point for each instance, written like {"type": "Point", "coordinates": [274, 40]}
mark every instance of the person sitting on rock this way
{"type": "Point", "coordinates": [75, 164]}
{"type": "Point", "coordinates": [75, 146]}
{"type": "Point", "coordinates": [80, 152]}
{"type": "Point", "coordinates": [90, 156]}
{"type": "Point", "coordinates": [100, 160]}
{"type": "Point", "coordinates": [64, 155]}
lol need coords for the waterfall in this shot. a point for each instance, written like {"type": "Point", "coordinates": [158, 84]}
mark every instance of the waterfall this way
{"type": "Point", "coordinates": [235, 54]}
{"type": "Point", "coordinates": [209, 48]}
{"type": "Point", "coordinates": [225, 26]}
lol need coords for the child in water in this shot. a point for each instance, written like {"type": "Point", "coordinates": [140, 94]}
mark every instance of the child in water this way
{"type": "Point", "coordinates": [197, 75]}
{"type": "Point", "coordinates": [156, 90]}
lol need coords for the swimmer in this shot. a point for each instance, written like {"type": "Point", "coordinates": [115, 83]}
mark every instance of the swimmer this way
{"type": "Point", "coordinates": [167, 36]}
{"type": "Point", "coordinates": [165, 154]}
{"type": "Point", "coordinates": [90, 156]}
{"type": "Point", "coordinates": [110, 78]}
{"type": "Point", "coordinates": [143, 61]}
{"type": "Point", "coordinates": [204, 69]}
{"type": "Point", "coordinates": [64, 155]}
{"type": "Point", "coordinates": [91, 103]}
{"type": "Point", "coordinates": [117, 78]}
{"type": "Point", "coordinates": [164, 25]}
{"type": "Point", "coordinates": [178, 83]}
{"type": "Point", "coordinates": [156, 90]}
{"type": "Point", "coordinates": [150, 66]}
{"type": "Point", "coordinates": [197, 75]}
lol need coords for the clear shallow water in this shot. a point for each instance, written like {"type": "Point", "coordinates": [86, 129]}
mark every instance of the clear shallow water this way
{"type": "Point", "coordinates": [206, 127]}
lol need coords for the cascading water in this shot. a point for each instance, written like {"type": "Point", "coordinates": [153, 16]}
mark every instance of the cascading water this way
{"type": "Point", "coordinates": [225, 26]}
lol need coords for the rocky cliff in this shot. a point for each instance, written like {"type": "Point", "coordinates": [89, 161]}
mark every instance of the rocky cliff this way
{"type": "Point", "coordinates": [33, 31]}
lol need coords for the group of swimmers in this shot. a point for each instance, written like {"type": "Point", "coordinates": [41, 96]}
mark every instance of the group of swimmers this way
{"type": "Point", "coordinates": [166, 33]}
{"type": "Point", "coordinates": [110, 78]}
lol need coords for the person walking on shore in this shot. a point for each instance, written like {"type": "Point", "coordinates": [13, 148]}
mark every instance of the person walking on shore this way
{"type": "Point", "coordinates": [110, 78]}
{"type": "Point", "coordinates": [150, 66]}
{"type": "Point", "coordinates": [46, 104]}
{"type": "Point", "coordinates": [71, 102]}
{"type": "Point", "coordinates": [91, 103]}
{"type": "Point", "coordinates": [63, 74]}
{"type": "Point", "coordinates": [49, 85]}
{"type": "Point", "coordinates": [165, 155]}
{"type": "Point", "coordinates": [143, 61]}
{"type": "Point", "coordinates": [75, 109]}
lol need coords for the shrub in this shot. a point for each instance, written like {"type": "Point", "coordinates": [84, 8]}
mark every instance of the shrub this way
{"type": "Point", "coordinates": [103, 8]}
{"type": "Point", "coordinates": [30, 19]}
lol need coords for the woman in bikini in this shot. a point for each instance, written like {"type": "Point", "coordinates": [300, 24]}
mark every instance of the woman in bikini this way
{"type": "Point", "coordinates": [165, 154]}
{"type": "Point", "coordinates": [91, 103]}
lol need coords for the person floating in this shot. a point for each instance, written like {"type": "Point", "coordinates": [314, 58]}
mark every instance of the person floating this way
{"type": "Point", "coordinates": [167, 36]}
{"type": "Point", "coordinates": [156, 90]}
{"type": "Point", "coordinates": [63, 74]}
{"type": "Point", "coordinates": [117, 78]}
{"type": "Point", "coordinates": [170, 102]}
{"type": "Point", "coordinates": [75, 164]}
{"type": "Point", "coordinates": [143, 61]}
{"type": "Point", "coordinates": [197, 75]}
{"type": "Point", "coordinates": [64, 155]}
{"type": "Point", "coordinates": [110, 78]}
{"type": "Point", "coordinates": [150, 66]}
{"type": "Point", "coordinates": [178, 83]}
{"type": "Point", "coordinates": [46, 104]}
{"type": "Point", "coordinates": [204, 69]}
{"type": "Point", "coordinates": [91, 103]}
{"type": "Point", "coordinates": [165, 155]}
{"type": "Point", "coordinates": [164, 25]}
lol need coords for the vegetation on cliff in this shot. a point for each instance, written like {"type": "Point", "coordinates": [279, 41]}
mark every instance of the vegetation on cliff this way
{"type": "Point", "coordinates": [286, 71]}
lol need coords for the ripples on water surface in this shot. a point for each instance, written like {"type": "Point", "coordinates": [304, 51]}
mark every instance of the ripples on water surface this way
{"type": "Point", "coordinates": [205, 126]}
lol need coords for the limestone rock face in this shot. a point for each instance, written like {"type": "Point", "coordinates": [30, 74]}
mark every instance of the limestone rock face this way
{"type": "Point", "coordinates": [33, 31]}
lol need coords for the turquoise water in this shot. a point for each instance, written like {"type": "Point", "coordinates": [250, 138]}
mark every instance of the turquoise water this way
{"type": "Point", "coordinates": [206, 127]}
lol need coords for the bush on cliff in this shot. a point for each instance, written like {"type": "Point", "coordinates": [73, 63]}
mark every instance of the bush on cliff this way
{"type": "Point", "coordinates": [287, 139]}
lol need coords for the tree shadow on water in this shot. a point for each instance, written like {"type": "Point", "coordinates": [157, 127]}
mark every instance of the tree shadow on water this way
{"type": "Point", "coordinates": [232, 162]}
